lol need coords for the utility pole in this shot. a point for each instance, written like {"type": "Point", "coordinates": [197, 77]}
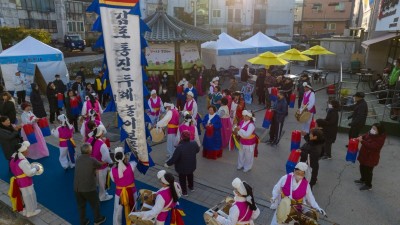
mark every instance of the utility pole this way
{"type": "Point", "coordinates": [195, 12]}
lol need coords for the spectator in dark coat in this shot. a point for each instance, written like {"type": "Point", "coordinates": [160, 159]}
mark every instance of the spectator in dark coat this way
{"type": "Point", "coordinates": [300, 88]}
{"type": "Point", "coordinates": [37, 102]}
{"type": "Point", "coordinates": [329, 127]}
{"type": "Point", "coordinates": [82, 74]}
{"type": "Point", "coordinates": [8, 107]}
{"type": "Point", "coordinates": [313, 147]}
{"type": "Point", "coordinates": [194, 74]}
{"type": "Point", "coordinates": [359, 116]}
{"type": "Point", "coordinates": [85, 185]}
{"type": "Point", "coordinates": [165, 95]}
{"type": "Point", "coordinates": [260, 87]}
{"type": "Point", "coordinates": [9, 137]}
{"type": "Point", "coordinates": [245, 74]}
{"type": "Point", "coordinates": [184, 159]}
{"type": "Point", "coordinates": [280, 112]}
{"type": "Point", "coordinates": [60, 86]}
{"type": "Point", "coordinates": [371, 146]}
{"type": "Point", "coordinates": [53, 104]}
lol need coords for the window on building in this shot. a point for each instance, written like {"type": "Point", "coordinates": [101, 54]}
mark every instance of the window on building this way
{"type": "Point", "coordinates": [339, 7]}
{"type": "Point", "coordinates": [48, 25]}
{"type": "Point", "coordinates": [238, 15]}
{"type": "Point", "coordinates": [36, 5]}
{"type": "Point", "coordinates": [179, 12]}
{"type": "Point", "coordinates": [216, 13]}
{"type": "Point", "coordinates": [230, 15]}
{"type": "Point", "coordinates": [331, 26]}
{"type": "Point", "coordinates": [260, 16]}
{"type": "Point", "coordinates": [75, 26]}
{"type": "Point", "coordinates": [317, 7]}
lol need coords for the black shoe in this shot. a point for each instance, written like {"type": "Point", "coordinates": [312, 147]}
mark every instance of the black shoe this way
{"type": "Point", "coordinates": [359, 181]}
{"type": "Point", "coordinates": [87, 222]}
{"type": "Point", "coordinates": [347, 146]}
{"type": "Point", "coordinates": [324, 157]}
{"type": "Point", "coordinates": [101, 221]}
{"type": "Point", "coordinates": [365, 188]}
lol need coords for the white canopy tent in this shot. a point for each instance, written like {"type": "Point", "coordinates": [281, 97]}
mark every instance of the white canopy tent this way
{"type": "Point", "coordinates": [263, 43]}
{"type": "Point", "coordinates": [225, 52]}
{"type": "Point", "coordinates": [49, 60]}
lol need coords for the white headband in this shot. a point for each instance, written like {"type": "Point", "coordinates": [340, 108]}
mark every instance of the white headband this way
{"type": "Point", "coordinates": [238, 185]}
{"type": "Point", "coordinates": [160, 175]}
{"type": "Point", "coordinates": [121, 165]}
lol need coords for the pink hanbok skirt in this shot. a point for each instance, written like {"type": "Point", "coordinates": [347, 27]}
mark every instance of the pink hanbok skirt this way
{"type": "Point", "coordinates": [226, 131]}
{"type": "Point", "coordinates": [39, 149]}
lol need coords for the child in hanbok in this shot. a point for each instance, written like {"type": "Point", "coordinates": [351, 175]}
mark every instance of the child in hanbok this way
{"type": "Point", "coordinates": [89, 124]}
{"type": "Point", "coordinates": [91, 103]}
{"type": "Point", "coordinates": [28, 119]}
{"type": "Point", "coordinates": [65, 134]}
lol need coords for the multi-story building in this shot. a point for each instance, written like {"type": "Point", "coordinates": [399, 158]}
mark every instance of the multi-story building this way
{"type": "Point", "coordinates": [59, 17]}
{"type": "Point", "coordinates": [325, 17]}
{"type": "Point", "coordinates": [298, 16]}
{"type": "Point", "coordinates": [239, 18]}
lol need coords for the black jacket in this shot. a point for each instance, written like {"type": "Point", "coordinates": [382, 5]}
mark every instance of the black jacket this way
{"type": "Point", "coordinates": [8, 109]}
{"type": "Point", "coordinates": [313, 148]}
{"type": "Point", "coordinates": [37, 104]}
{"type": "Point", "coordinates": [330, 125]}
{"type": "Point", "coordinates": [184, 157]}
{"type": "Point", "coordinates": [60, 86]}
{"type": "Point", "coordinates": [360, 112]}
{"type": "Point", "coordinates": [51, 96]}
{"type": "Point", "coordinates": [9, 140]}
{"type": "Point", "coordinates": [280, 110]}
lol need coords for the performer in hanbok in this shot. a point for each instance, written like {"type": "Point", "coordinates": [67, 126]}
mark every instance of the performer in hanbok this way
{"type": "Point", "coordinates": [191, 88]}
{"type": "Point", "coordinates": [244, 210]}
{"type": "Point", "coordinates": [123, 176]}
{"type": "Point", "coordinates": [309, 100]}
{"type": "Point", "coordinates": [101, 153]}
{"type": "Point", "coordinates": [155, 107]}
{"type": "Point", "coordinates": [89, 124]}
{"type": "Point", "coordinates": [191, 106]}
{"type": "Point", "coordinates": [248, 141]}
{"type": "Point", "coordinates": [91, 103]}
{"type": "Point", "coordinates": [216, 97]}
{"type": "Point", "coordinates": [171, 121]}
{"type": "Point", "coordinates": [39, 149]}
{"type": "Point", "coordinates": [189, 126]}
{"type": "Point", "coordinates": [23, 172]}
{"type": "Point", "coordinates": [296, 188]}
{"type": "Point", "coordinates": [166, 201]}
{"type": "Point", "coordinates": [65, 134]}
{"type": "Point", "coordinates": [214, 82]}
{"type": "Point", "coordinates": [226, 130]}
{"type": "Point", "coordinates": [199, 82]}
{"type": "Point", "coordinates": [212, 138]}
{"type": "Point", "coordinates": [238, 105]}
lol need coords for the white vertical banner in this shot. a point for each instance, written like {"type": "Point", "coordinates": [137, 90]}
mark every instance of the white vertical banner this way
{"type": "Point", "coordinates": [121, 33]}
{"type": "Point", "coordinates": [190, 55]}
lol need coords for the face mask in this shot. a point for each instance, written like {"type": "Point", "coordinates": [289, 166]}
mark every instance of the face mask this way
{"type": "Point", "coordinates": [164, 91]}
{"type": "Point", "coordinates": [372, 131]}
{"type": "Point", "coordinates": [354, 99]}
{"type": "Point", "coordinates": [165, 76]}
{"type": "Point", "coordinates": [183, 79]}
{"type": "Point", "coordinates": [223, 95]}
{"type": "Point", "coordinates": [330, 106]}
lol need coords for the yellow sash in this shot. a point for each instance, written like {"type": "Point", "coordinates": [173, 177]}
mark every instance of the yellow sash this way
{"type": "Point", "coordinates": [250, 137]}
{"type": "Point", "coordinates": [124, 199]}
{"type": "Point", "coordinates": [294, 202]}
{"type": "Point", "coordinates": [71, 139]}
{"type": "Point", "coordinates": [172, 126]}
{"type": "Point", "coordinates": [13, 182]}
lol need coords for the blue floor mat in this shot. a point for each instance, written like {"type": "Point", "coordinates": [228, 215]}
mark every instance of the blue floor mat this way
{"type": "Point", "coordinates": [54, 189]}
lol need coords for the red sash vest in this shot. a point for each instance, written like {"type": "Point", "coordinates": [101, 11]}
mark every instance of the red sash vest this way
{"type": "Point", "coordinates": [17, 171]}
{"type": "Point", "coordinates": [252, 139]}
